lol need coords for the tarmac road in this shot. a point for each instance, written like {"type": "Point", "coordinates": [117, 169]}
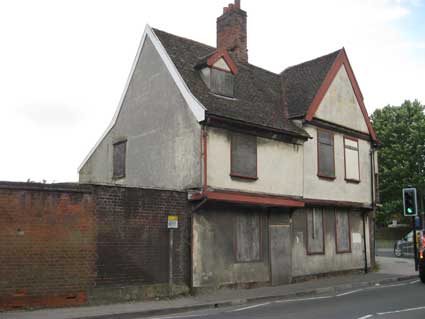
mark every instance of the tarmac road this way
{"type": "Point", "coordinates": [402, 300]}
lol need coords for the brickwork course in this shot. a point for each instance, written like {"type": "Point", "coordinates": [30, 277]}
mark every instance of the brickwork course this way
{"type": "Point", "coordinates": [60, 242]}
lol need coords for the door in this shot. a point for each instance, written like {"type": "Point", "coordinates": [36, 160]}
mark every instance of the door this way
{"type": "Point", "coordinates": [280, 254]}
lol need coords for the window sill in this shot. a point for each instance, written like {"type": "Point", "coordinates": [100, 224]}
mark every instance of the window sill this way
{"type": "Point", "coordinates": [343, 252]}
{"type": "Point", "coordinates": [353, 181]}
{"type": "Point", "coordinates": [318, 253]}
{"type": "Point", "coordinates": [249, 262]}
{"type": "Point", "coordinates": [252, 178]}
{"type": "Point", "coordinates": [118, 178]}
{"type": "Point", "coordinates": [329, 178]}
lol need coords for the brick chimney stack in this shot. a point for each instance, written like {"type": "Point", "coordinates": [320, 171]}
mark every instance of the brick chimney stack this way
{"type": "Point", "coordinates": [231, 31]}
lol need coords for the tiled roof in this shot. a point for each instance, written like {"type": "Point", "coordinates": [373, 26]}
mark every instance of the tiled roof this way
{"type": "Point", "coordinates": [302, 81]}
{"type": "Point", "coordinates": [258, 93]}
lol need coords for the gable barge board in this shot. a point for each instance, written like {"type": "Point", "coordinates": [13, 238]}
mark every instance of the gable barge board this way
{"type": "Point", "coordinates": [252, 129]}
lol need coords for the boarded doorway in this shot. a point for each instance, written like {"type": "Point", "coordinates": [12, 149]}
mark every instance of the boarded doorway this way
{"type": "Point", "coordinates": [280, 247]}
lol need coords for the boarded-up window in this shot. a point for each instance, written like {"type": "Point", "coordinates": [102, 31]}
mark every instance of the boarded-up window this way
{"type": "Point", "coordinates": [119, 159]}
{"type": "Point", "coordinates": [342, 227]}
{"type": "Point", "coordinates": [222, 82]}
{"type": "Point", "coordinates": [325, 153]}
{"type": "Point", "coordinates": [351, 156]}
{"type": "Point", "coordinates": [315, 244]}
{"type": "Point", "coordinates": [243, 156]}
{"type": "Point", "coordinates": [248, 238]}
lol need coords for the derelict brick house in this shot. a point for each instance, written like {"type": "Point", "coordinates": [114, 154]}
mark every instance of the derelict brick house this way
{"type": "Point", "coordinates": [280, 168]}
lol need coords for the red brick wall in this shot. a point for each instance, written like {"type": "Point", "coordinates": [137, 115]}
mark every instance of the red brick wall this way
{"type": "Point", "coordinates": [132, 236]}
{"type": "Point", "coordinates": [47, 245]}
{"type": "Point", "coordinates": [58, 241]}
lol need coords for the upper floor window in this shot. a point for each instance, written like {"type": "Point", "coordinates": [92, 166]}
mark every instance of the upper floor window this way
{"type": "Point", "coordinates": [218, 72]}
{"type": "Point", "coordinates": [325, 154]}
{"type": "Point", "coordinates": [221, 82]}
{"type": "Point", "coordinates": [351, 158]}
{"type": "Point", "coordinates": [243, 156]}
{"type": "Point", "coordinates": [119, 158]}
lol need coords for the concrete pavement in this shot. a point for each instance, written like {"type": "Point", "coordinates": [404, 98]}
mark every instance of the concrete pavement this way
{"type": "Point", "coordinates": [391, 270]}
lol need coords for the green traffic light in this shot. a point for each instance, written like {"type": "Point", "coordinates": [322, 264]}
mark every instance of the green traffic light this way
{"type": "Point", "coordinates": [409, 210]}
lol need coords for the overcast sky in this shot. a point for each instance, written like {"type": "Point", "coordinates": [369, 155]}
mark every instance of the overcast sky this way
{"type": "Point", "coordinates": [64, 64]}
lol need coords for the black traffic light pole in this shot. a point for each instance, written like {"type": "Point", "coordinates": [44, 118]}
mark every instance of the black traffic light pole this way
{"type": "Point", "coordinates": [415, 247]}
{"type": "Point", "coordinates": [410, 208]}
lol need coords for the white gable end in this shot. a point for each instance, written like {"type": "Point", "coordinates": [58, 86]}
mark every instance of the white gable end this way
{"type": "Point", "coordinates": [340, 106]}
{"type": "Point", "coordinates": [221, 64]}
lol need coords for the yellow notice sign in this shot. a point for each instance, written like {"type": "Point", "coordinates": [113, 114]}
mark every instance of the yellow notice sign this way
{"type": "Point", "coordinates": [173, 222]}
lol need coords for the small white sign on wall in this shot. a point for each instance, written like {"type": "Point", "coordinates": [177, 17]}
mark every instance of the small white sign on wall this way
{"type": "Point", "coordinates": [357, 238]}
{"type": "Point", "coordinates": [173, 222]}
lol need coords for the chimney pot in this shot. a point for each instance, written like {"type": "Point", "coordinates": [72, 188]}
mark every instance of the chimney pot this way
{"type": "Point", "coordinates": [231, 6]}
{"type": "Point", "coordinates": [237, 4]}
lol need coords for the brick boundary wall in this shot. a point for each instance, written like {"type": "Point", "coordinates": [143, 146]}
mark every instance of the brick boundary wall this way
{"type": "Point", "coordinates": [69, 244]}
{"type": "Point", "coordinates": [133, 241]}
{"type": "Point", "coordinates": [47, 244]}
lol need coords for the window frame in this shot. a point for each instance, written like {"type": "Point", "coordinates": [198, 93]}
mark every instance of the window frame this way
{"type": "Point", "coordinates": [213, 90]}
{"type": "Point", "coordinates": [260, 238]}
{"type": "Point", "coordinates": [323, 252]}
{"type": "Point", "coordinates": [337, 250]}
{"type": "Point", "coordinates": [114, 176]}
{"type": "Point", "coordinates": [241, 176]}
{"type": "Point", "coordinates": [319, 174]}
{"type": "Point", "coordinates": [351, 180]}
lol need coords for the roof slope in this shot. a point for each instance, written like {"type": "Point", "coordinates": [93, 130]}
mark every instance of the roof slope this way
{"type": "Point", "coordinates": [302, 82]}
{"type": "Point", "coordinates": [258, 93]}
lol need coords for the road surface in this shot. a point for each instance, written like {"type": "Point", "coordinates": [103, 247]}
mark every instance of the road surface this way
{"type": "Point", "coordinates": [401, 300]}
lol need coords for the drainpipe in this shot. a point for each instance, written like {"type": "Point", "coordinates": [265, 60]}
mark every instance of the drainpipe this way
{"type": "Point", "coordinates": [204, 146]}
{"type": "Point", "coordinates": [372, 196]}
{"type": "Point", "coordinates": [364, 242]}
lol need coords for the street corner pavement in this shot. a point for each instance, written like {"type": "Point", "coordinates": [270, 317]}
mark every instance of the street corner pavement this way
{"type": "Point", "coordinates": [396, 266]}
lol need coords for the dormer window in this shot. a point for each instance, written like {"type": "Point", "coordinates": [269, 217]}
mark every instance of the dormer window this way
{"type": "Point", "coordinates": [219, 73]}
{"type": "Point", "coordinates": [221, 82]}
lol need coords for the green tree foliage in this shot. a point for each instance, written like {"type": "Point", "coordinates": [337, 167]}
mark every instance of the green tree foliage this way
{"type": "Point", "coordinates": [401, 132]}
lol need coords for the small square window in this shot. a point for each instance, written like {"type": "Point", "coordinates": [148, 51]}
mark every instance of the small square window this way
{"type": "Point", "coordinates": [119, 159]}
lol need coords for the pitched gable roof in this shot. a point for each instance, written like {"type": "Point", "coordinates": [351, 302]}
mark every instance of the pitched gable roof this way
{"type": "Point", "coordinates": [303, 81]}
{"type": "Point", "coordinates": [258, 93]}
{"type": "Point", "coordinates": [306, 84]}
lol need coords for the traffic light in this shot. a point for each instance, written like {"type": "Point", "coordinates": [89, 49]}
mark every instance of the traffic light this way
{"type": "Point", "coordinates": [410, 204]}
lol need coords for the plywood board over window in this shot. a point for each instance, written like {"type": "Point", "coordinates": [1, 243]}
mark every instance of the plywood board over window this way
{"type": "Point", "coordinates": [325, 154]}
{"type": "Point", "coordinates": [342, 231]}
{"type": "Point", "coordinates": [351, 158]}
{"type": "Point", "coordinates": [315, 231]}
{"type": "Point", "coordinates": [222, 82]}
{"type": "Point", "coordinates": [248, 238]}
{"type": "Point", "coordinates": [243, 156]}
{"type": "Point", "coordinates": [119, 159]}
